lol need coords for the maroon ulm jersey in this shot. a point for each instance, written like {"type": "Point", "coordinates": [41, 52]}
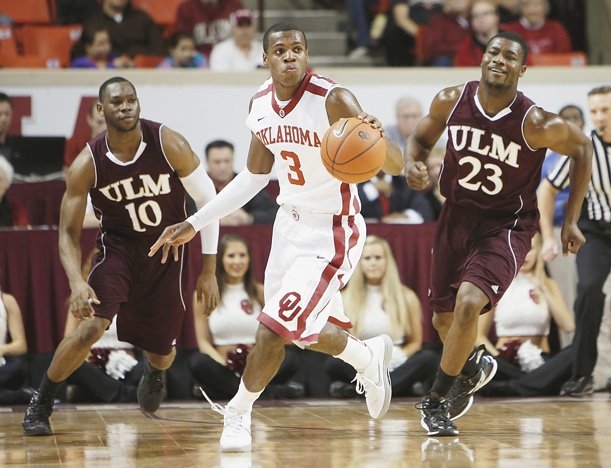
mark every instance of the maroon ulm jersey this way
{"type": "Point", "coordinates": [488, 164]}
{"type": "Point", "coordinates": [139, 197]}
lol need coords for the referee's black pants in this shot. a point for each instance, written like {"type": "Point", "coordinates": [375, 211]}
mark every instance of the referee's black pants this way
{"type": "Point", "coordinates": [593, 266]}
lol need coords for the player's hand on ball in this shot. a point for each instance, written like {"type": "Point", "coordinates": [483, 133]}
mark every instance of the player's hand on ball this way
{"type": "Point", "coordinates": [81, 298]}
{"type": "Point", "coordinates": [572, 238]}
{"type": "Point", "coordinates": [417, 175]}
{"type": "Point", "coordinates": [373, 120]}
{"type": "Point", "coordinates": [172, 237]}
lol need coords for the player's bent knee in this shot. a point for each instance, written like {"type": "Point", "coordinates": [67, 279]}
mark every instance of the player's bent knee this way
{"type": "Point", "coordinates": [268, 339]}
{"type": "Point", "coordinates": [91, 331]}
{"type": "Point", "coordinates": [442, 321]}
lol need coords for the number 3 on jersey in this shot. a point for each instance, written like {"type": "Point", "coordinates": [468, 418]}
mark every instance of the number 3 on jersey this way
{"type": "Point", "coordinates": [295, 174]}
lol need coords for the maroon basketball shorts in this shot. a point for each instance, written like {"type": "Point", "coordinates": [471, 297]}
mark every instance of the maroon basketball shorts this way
{"type": "Point", "coordinates": [146, 295]}
{"type": "Point", "coordinates": [478, 247]}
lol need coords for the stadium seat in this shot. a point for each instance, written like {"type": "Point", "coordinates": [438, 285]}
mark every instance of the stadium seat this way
{"type": "Point", "coordinates": [28, 61]}
{"type": "Point", "coordinates": [572, 59]}
{"type": "Point", "coordinates": [26, 11]}
{"type": "Point", "coordinates": [148, 61]}
{"type": "Point", "coordinates": [50, 41]}
{"type": "Point", "coordinates": [8, 43]}
{"type": "Point", "coordinates": [163, 12]}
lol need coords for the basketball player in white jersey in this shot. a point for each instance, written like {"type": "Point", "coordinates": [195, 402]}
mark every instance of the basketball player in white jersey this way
{"type": "Point", "coordinates": [318, 233]}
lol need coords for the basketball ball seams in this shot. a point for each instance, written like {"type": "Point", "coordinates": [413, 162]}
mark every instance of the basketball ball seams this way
{"type": "Point", "coordinates": [340, 171]}
{"type": "Point", "coordinates": [365, 158]}
{"type": "Point", "coordinates": [359, 154]}
{"type": "Point", "coordinates": [344, 139]}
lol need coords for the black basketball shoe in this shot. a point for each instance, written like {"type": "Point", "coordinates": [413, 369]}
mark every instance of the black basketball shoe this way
{"type": "Point", "coordinates": [435, 413]}
{"type": "Point", "coordinates": [460, 395]}
{"type": "Point", "coordinates": [151, 389]}
{"type": "Point", "coordinates": [36, 420]}
{"type": "Point", "coordinates": [578, 386]}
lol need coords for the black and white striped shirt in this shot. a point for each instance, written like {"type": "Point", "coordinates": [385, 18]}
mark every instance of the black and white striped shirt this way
{"type": "Point", "coordinates": [599, 189]}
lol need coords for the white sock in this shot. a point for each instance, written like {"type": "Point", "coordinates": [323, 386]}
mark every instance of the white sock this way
{"type": "Point", "coordinates": [244, 399]}
{"type": "Point", "coordinates": [356, 354]}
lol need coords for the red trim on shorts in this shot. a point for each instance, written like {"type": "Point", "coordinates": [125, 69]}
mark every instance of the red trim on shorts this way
{"type": "Point", "coordinates": [278, 329]}
{"type": "Point", "coordinates": [262, 93]}
{"type": "Point", "coordinates": [354, 236]}
{"type": "Point", "coordinates": [294, 100]}
{"type": "Point", "coordinates": [328, 273]}
{"type": "Point", "coordinates": [346, 194]}
{"type": "Point", "coordinates": [334, 321]}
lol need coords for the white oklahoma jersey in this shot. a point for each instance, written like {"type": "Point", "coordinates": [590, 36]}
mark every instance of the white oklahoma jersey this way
{"type": "Point", "coordinates": [318, 233]}
{"type": "Point", "coordinates": [293, 134]}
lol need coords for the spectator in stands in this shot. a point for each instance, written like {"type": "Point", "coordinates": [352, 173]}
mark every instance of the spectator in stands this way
{"type": "Point", "coordinates": [388, 199]}
{"type": "Point", "coordinates": [408, 112]}
{"type": "Point", "coordinates": [11, 213]}
{"type": "Point", "coordinates": [225, 337]}
{"type": "Point", "coordinates": [12, 369]}
{"type": "Point", "coordinates": [377, 302]}
{"type": "Point", "coordinates": [509, 10]}
{"type": "Point", "coordinates": [484, 18]}
{"type": "Point", "coordinates": [95, 41]}
{"type": "Point", "coordinates": [522, 322]}
{"type": "Point", "coordinates": [132, 31]}
{"type": "Point", "coordinates": [399, 37]}
{"type": "Point", "coordinates": [76, 143]}
{"type": "Point", "coordinates": [421, 11]}
{"type": "Point", "coordinates": [207, 21]}
{"type": "Point", "coordinates": [359, 18]}
{"type": "Point", "coordinates": [183, 53]}
{"type": "Point", "coordinates": [241, 52]}
{"type": "Point", "coordinates": [6, 118]}
{"type": "Point", "coordinates": [260, 210]}
{"type": "Point", "coordinates": [76, 11]}
{"type": "Point", "coordinates": [542, 35]}
{"type": "Point", "coordinates": [445, 31]}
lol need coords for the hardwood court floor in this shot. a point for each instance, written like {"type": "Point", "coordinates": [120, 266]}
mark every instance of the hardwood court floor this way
{"type": "Point", "coordinates": [524, 433]}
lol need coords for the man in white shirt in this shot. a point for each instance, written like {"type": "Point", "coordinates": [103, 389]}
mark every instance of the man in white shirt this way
{"type": "Point", "coordinates": [241, 52]}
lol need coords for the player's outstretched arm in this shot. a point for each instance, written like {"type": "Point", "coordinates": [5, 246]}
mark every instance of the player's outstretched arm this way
{"type": "Point", "coordinates": [546, 130]}
{"type": "Point", "coordinates": [341, 103]}
{"type": "Point", "coordinates": [427, 132]}
{"type": "Point", "coordinates": [235, 195]}
{"type": "Point", "coordinates": [200, 188]}
{"type": "Point", "coordinates": [79, 179]}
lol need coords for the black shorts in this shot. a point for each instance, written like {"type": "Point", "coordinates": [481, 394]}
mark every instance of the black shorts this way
{"type": "Point", "coordinates": [147, 296]}
{"type": "Point", "coordinates": [484, 250]}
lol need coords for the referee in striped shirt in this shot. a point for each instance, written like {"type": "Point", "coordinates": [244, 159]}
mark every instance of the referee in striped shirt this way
{"type": "Point", "coordinates": [594, 257]}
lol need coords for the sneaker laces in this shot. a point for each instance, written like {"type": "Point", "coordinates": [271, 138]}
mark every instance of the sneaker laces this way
{"type": "Point", "coordinates": [233, 420]}
{"type": "Point", "coordinates": [39, 407]}
{"type": "Point", "coordinates": [362, 383]}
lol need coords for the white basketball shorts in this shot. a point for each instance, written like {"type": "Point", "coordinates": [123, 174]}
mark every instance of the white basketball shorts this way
{"type": "Point", "coordinates": [312, 257]}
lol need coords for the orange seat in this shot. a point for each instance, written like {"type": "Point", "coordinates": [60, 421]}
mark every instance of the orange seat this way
{"type": "Point", "coordinates": [8, 43]}
{"type": "Point", "coordinates": [51, 41]}
{"type": "Point", "coordinates": [26, 11]}
{"type": "Point", "coordinates": [148, 61]}
{"type": "Point", "coordinates": [28, 61]}
{"type": "Point", "coordinates": [569, 59]}
{"type": "Point", "coordinates": [163, 12]}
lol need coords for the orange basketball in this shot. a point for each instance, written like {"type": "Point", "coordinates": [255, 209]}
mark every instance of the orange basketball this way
{"type": "Point", "coordinates": [352, 151]}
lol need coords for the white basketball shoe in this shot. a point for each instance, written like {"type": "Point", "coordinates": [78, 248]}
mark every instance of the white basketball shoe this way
{"type": "Point", "coordinates": [375, 378]}
{"type": "Point", "coordinates": [236, 436]}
